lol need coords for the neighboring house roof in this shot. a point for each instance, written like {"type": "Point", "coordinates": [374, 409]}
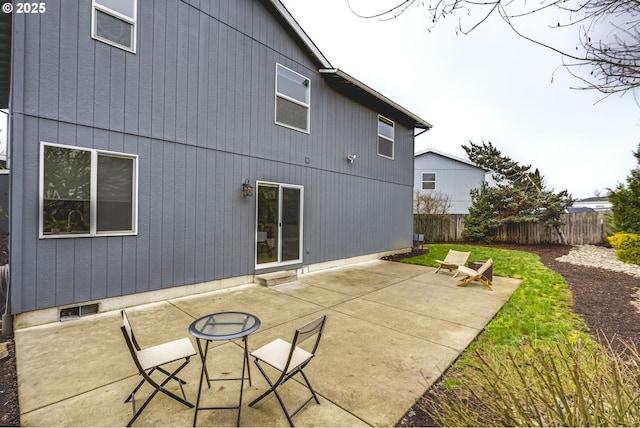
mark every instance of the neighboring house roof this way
{"type": "Point", "coordinates": [341, 81]}
{"type": "Point", "coordinates": [594, 199]}
{"type": "Point", "coordinates": [447, 155]}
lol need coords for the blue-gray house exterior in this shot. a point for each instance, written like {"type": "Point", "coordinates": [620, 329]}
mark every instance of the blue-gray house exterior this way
{"type": "Point", "coordinates": [192, 109]}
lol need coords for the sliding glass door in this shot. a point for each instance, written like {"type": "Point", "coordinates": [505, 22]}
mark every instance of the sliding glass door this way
{"type": "Point", "coordinates": [279, 224]}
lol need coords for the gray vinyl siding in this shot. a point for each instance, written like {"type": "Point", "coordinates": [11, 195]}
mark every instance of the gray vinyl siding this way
{"type": "Point", "coordinates": [453, 178]}
{"type": "Point", "coordinates": [196, 104]}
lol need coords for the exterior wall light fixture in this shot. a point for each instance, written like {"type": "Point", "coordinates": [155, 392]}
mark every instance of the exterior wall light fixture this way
{"type": "Point", "coordinates": [247, 189]}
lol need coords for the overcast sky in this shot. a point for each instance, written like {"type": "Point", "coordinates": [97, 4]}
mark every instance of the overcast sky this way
{"type": "Point", "coordinates": [490, 85]}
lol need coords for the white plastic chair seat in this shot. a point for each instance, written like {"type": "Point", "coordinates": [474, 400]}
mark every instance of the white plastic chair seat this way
{"type": "Point", "coordinates": [276, 353]}
{"type": "Point", "coordinates": [165, 353]}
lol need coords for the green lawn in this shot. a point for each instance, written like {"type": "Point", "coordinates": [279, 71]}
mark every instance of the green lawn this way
{"type": "Point", "coordinates": [539, 310]}
{"type": "Point", "coordinates": [535, 365]}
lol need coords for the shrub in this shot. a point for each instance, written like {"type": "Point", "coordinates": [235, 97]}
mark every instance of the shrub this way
{"type": "Point", "coordinates": [627, 246]}
{"type": "Point", "coordinates": [569, 384]}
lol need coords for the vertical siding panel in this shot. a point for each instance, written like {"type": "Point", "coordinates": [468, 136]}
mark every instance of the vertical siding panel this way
{"type": "Point", "coordinates": [201, 205]}
{"type": "Point", "coordinates": [222, 122]}
{"type": "Point", "coordinates": [172, 67]}
{"type": "Point", "coordinates": [98, 268]}
{"type": "Point", "coordinates": [102, 73]}
{"type": "Point", "coordinates": [156, 215]}
{"type": "Point", "coordinates": [31, 64]}
{"type": "Point", "coordinates": [131, 94]}
{"type": "Point", "coordinates": [193, 73]}
{"type": "Point", "coordinates": [211, 224]}
{"type": "Point", "coordinates": [69, 63]}
{"type": "Point", "coordinates": [113, 263]}
{"type": "Point", "coordinates": [212, 105]}
{"type": "Point", "coordinates": [191, 219]}
{"type": "Point", "coordinates": [116, 142]}
{"type": "Point", "coordinates": [167, 222]}
{"type": "Point", "coordinates": [86, 61]}
{"type": "Point", "coordinates": [22, 236]}
{"type": "Point", "coordinates": [19, 63]}
{"type": "Point", "coordinates": [49, 62]}
{"type": "Point", "coordinates": [179, 220]}
{"type": "Point", "coordinates": [158, 72]}
{"type": "Point", "coordinates": [144, 99]}
{"type": "Point", "coordinates": [219, 199]}
{"type": "Point", "coordinates": [82, 271]}
{"type": "Point", "coordinates": [100, 139]}
{"type": "Point", "coordinates": [45, 276]}
{"type": "Point", "coordinates": [180, 101]}
{"type": "Point", "coordinates": [202, 111]}
{"type": "Point", "coordinates": [116, 93]}
{"type": "Point", "coordinates": [223, 99]}
{"type": "Point", "coordinates": [129, 262]}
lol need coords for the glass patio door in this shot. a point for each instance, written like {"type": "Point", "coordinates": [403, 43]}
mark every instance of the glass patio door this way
{"type": "Point", "coordinates": [279, 224]}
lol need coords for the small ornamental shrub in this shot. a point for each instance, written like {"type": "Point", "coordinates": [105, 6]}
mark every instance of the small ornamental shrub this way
{"type": "Point", "coordinates": [627, 246]}
{"type": "Point", "coordinates": [567, 384]}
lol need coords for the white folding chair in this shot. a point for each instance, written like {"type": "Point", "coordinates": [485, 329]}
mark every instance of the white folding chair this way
{"type": "Point", "coordinates": [149, 360]}
{"type": "Point", "coordinates": [453, 260]}
{"type": "Point", "coordinates": [289, 359]}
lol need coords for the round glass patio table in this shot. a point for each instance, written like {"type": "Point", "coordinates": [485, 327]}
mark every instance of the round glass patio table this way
{"type": "Point", "coordinates": [217, 327]}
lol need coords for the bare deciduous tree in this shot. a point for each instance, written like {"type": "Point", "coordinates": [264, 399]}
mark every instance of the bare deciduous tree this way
{"type": "Point", "coordinates": [431, 203]}
{"type": "Point", "coordinates": [608, 40]}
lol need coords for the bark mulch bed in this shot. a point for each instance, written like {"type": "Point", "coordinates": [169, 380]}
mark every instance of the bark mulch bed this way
{"type": "Point", "coordinates": [602, 297]}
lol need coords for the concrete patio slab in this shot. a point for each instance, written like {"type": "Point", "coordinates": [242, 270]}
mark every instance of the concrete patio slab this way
{"type": "Point", "coordinates": [392, 329]}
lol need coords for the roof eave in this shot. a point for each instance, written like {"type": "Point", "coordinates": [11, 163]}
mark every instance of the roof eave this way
{"type": "Point", "coordinates": [352, 87]}
{"type": "Point", "coordinates": [452, 157]}
{"type": "Point", "coordinates": [296, 30]}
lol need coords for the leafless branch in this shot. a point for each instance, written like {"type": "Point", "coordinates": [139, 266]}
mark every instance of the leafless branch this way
{"type": "Point", "coordinates": [608, 40]}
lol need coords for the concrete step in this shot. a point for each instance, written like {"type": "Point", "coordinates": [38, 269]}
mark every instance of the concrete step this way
{"type": "Point", "coordinates": [276, 278]}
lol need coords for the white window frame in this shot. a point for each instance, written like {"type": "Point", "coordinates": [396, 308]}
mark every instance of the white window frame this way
{"type": "Point", "coordinates": [434, 181]}
{"type": "Point", "coordinates": [93, 204]}
{"type": "Point", "coordinates": [307, 105]}
{"type": "Point", "coordinates": [392, 140]}
{"type": "Point", "coordinates": [132, 20]}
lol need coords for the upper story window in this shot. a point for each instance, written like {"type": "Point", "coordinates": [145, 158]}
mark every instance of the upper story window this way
{"type": "Point", "coordinates": [292, 99]}
{"type": "Point", "coordinates": [114, 22]}
{"type": "Point", "coordinates": [428, 181]}
{"type": "Point", "coordinates": [385, 137]}
{"type": "Point", "coordinates": [85, 192]}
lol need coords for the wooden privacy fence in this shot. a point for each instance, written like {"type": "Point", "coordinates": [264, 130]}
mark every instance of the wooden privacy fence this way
{"type": "Point", "coordinates": [579, 228]}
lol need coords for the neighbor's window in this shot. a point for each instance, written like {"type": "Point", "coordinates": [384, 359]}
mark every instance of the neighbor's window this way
{"type": "Point", "coordinates": [385, 137]}
{"type": "Point", "coordinates": [292, 99]}
{"type": "Point", "coordinates": [428, 181]}
{"type": "Point", "coordinates": [114, 22]}
{"type": "Point", "coordinates": [87, 192]}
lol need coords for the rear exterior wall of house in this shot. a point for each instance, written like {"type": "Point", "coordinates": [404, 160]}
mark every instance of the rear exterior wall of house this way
{"type": "Point", "coordinates": [195, 103]}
